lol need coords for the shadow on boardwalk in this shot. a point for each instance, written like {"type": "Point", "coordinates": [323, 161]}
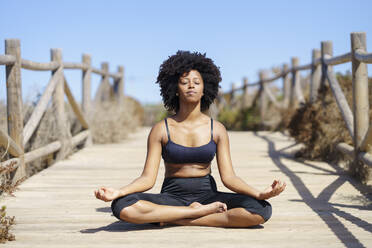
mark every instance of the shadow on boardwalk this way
{"type": "Point", "coordinates": [320, 205]}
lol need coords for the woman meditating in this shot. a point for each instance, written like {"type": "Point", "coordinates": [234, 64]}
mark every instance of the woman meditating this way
{"type": "Point", "coordinates": [188, 142]}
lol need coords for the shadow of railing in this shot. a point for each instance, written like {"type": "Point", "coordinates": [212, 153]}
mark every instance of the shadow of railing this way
{"type": "Point", "coordinates": [320, 205]}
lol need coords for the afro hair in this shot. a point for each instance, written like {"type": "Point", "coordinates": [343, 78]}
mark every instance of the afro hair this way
{"type": "Point", "coordinates": [183, 62]}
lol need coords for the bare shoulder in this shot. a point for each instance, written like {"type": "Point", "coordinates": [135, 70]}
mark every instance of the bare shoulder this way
{"type": "Point", "coordinates": [157, 131]}
{"type": "Point", "coordinates": [219, 130]}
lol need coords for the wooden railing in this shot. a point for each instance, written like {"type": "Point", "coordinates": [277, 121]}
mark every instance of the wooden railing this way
{"type": "Point", "coordinates": [18, 135]}
{"type": "Point", "coordinates": [356, 119]}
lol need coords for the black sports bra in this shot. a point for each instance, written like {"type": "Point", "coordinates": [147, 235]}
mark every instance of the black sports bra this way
{"type": "Point", "coordinates": [178, 154]}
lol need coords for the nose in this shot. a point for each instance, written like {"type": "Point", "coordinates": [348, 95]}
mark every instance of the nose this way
{"type": "Point", "coordinates": [191, 85]}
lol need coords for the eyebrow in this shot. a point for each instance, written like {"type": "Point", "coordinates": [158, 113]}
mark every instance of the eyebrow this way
{"type": "Point", "coordinates": [192, 78]}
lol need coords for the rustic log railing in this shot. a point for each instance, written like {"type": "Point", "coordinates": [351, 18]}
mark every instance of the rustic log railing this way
{"type": "Point", "coordinates": [18, 135]}
{"type": "Point", "coordinates": [321, 73]}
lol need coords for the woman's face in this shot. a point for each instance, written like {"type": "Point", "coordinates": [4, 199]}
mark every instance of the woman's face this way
{"type": "Point", "coordinates": [191, 86]}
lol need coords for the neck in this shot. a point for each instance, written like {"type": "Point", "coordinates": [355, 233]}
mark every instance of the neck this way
{"type": "Point", "coordinates": [189, 112]}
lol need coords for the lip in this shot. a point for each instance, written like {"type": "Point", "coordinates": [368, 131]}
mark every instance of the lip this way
{"type": "Point", "coordinates": [190, 92]}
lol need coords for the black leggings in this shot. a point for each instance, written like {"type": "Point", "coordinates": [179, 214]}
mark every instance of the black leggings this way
{"type": "Point", "coordinates": [179, 191]}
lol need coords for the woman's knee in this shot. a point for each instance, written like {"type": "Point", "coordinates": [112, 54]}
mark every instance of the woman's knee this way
{"type": "Point", "coordinates": [267, 211]}
{"type": "Point", "coordinates": [120, 205]}
{"type": "Point", "coordinates": [262, 211]}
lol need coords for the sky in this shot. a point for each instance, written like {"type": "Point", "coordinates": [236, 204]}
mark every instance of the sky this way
{"type": "Point", "coordinates": [241, 37]}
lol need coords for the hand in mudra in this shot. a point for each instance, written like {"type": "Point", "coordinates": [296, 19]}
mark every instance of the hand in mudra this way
{"type": "Point", "coordinates": [106, 194]}
{"type": "Point", "coordinates": [275, 189]}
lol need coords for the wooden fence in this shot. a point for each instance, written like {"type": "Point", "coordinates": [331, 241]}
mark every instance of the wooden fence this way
{"type": "Point", "coordinates": [321, 73]}
{"type": "Point", "coordinates": [18, 135]}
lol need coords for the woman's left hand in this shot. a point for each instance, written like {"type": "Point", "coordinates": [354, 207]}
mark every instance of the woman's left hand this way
{"type": "Point", "coordinates": [275, 189]}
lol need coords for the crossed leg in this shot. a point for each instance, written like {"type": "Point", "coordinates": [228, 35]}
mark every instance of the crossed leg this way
{"type": "Point", "coordinates": [148, 212]}
{"type": "Point", "coordinates": [214, 214]}
{"type": "Point", "coordinates": [235, 217]}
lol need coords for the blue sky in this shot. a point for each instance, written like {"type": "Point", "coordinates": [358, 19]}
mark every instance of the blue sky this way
{"type": "Point", "coordinates": [241, 37]}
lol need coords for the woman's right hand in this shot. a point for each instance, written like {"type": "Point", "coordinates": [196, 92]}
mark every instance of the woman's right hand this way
{"type": "Point", "coordinates": [106, 194]}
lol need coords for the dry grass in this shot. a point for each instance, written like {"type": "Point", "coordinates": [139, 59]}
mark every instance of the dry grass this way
{"type": "Point", "coordinates": [111, 122]}
{"type": "Point", "coordinates": [320, 127]}
{"type": "Point", "coordinates": [236, 117]}
{"type": "Point", "coordinates": [154, 113]}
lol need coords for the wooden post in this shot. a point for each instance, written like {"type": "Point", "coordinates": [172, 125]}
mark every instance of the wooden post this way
{"type": "Point", "coordinates": [244, 101]}
{"type": "Point", "coordinates": [14, 103]}
{"type": "Point", "coordinates": [296, 84]}
{"type": "Point", "coordinates": [87, 78]}
{"type": "Point", "coordinates": [58, 101]}
{"type": "Point", "coordinates": [326, 49]}
{"type": "Point", "coordinates": [263, 96]}
{"type": "Point", "coordinates": [220, 100]}
{"type": "Point", "coordinates": [286, 87]}
{"type": "Point", "coordinates": [315, 76]}
{"type": "Point", "coordinates": [119, 85]}
{"type": "Point", "coordinates": [232, 95]}
{"type": "Point", "coordinates": [360, 92]}
{"type": "Point", "coordinates": [292, 100]}
{"type": "Point", "coordinates": [105, 81]}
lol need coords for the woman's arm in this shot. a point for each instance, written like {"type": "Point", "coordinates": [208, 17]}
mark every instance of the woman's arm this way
{"type": "Point", "coordinates": [232, 181]}
{"type": "Point", "coordinates": [150, 171]}
{"type": "Point", "coordinates": [148, 177]}
{"type": "Point", "coordinates": [228, 176]}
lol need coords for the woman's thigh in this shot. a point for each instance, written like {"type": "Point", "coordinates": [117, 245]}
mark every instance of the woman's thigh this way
{"type": "Point", "coordinates": [162, 198]}
{"type": "Point", "coordinates": [235, 200]}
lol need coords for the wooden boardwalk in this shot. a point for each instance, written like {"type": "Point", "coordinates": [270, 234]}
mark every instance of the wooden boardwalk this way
{"type": "Point", "coordinates": [321, 207]}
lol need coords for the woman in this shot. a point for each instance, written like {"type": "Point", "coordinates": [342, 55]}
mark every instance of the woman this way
{"type": "Point", "coordinates": [189, 83]}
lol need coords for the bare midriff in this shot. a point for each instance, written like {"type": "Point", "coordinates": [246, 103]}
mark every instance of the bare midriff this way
{"type": "Point", "coordinates": [187, 170]}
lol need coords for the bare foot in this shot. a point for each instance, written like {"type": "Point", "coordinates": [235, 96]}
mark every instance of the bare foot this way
{"type": "Point", "coordinates": [193, 205]}
{"type": "Point", "coordinates": [214, 207]}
